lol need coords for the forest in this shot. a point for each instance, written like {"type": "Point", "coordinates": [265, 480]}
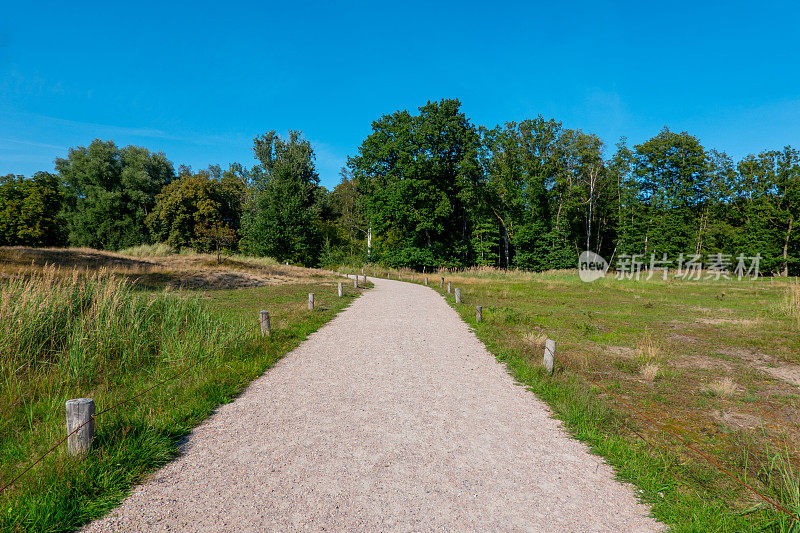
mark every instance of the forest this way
{"type": "Point", "coordinates": [426, 189]}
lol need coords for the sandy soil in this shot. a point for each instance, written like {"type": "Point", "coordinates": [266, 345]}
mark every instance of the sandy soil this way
{"type": "Point", "coordinates": [392, 417]}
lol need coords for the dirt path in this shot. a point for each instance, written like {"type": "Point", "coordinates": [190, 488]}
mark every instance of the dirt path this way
{"type": "Point", "coordinates": [391, 417]}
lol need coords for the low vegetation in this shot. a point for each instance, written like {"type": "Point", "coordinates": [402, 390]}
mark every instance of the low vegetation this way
{"type": "Point", "coordinates": [72, 333]}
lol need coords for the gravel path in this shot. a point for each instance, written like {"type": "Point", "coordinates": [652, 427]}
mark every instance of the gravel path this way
{"type": "Point", "coordinates": [391, 417]}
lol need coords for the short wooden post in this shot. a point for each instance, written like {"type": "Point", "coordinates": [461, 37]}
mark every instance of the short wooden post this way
{"type": "Point", "coordinates": [399, 275]}
{"type": "Point", "coordinates": [458, 295]}
{"type": "Point", "coordinates": [355, 281]}
{"type": "Point", "coordinates": [80, 414]}
{"type": "Point", "coordinates": [341, 291]}
{"type": "Point", "coordinates": [412, 277]}
{"type": "Point", "coordinates": [478, 313]}
{"type": "Point", "coordinates": [441, 283]}
{"type": "Point", "coordinates": [362, 270]}
{"type": "Point", "coordinates": [310, 301]}
{"type": "Point", "coordinates": [365, 279]}
{"type": "Point", "coordinates": [549, 354]}
{"type": "Point", "coordinates": [448, 287]}
{"type": "Point", "coordinates": [263, 318]}
{"type": "Point", "coordinates": [426, 281]}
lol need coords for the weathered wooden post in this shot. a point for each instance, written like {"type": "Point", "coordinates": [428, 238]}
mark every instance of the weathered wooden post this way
{"type": "Point", "coordinates": [355, 281]}
{"type": "Point", "coordinates": [549, 354]}
{"type": "Point", "coordinates": [448, 287]}
{"type": "Point", "coordinates": [310, 301]}
{"type": "Point", "coordinates": [362, 270]}
{"type": "Point", "coordinates": [441, 283]}
{"type": "Point", "coordinates": [80, 414]}
{"type": "Point", "coordinates": [263, 318]}
{"type": "Point", "coordinates": [341, 291]}
{"type": "Point", "coordinates": [458, 295]}
{"type": "Point", "coordinates": [399, 275]}
{"type": "Point", "coordinates": [365, 279]}
{"type": "Point", "coordinates": [478, 313]}
{"type": "Point", "coordinates": [426, 281]}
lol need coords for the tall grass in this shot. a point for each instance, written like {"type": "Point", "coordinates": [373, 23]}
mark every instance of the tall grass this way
{"type": "Point", "coordinates": [69, 335]}
{"type": "Point", "coordinates": [792, 302]}
{"type": "Point", "coordinates": [159, 249]}
{"type": "Point", "coordinates": [81, 329]}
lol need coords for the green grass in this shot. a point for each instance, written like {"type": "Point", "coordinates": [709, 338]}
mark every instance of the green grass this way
{"type": "Point", "coordinates": [697, 333]}
{"type": "Point", "coordinates": [92, 336]}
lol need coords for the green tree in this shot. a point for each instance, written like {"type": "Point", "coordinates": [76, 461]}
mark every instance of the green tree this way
{"type": "Point", "coordinates": [108, 193]}
{"type": "Point", "coordinates": [29, 210]}
{"type": "Point", "coordinates": [282, 218]}
{"type": "Point", "coordinates": [206, 199]}
{"type": "Point", "coordinates": [672, 169]}
{"type": "Point", "coordinates": [419, 176]}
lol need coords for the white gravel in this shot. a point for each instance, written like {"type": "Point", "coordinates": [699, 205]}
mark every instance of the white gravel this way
{"type": "Point", "coordinates": [391, 417]}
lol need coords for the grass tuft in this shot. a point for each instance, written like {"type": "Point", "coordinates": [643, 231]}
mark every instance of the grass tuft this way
{"type": "Point", "coordinates": [650, 371]}
{"type": "Point", "coordinates": [724, 388]}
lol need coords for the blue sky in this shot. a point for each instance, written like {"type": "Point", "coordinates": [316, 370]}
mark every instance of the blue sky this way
{"type": "Point", "coordinates": [199, 80]}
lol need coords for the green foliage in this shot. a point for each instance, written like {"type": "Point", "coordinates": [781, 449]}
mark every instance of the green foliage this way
{"type": "Point", "coordinates": [206, 199]}
{"type": "Point", "coordinates": [418, 176]}
{"type": "Point", "coordinates": [282, 217]}
{"type": "Point", "coordinates": [29, 210]}
{"type": "Point", "coordinates": [96, 337]}
{"type": "Point", "coordinates": [430, 190]}
{"type": "Point", "coordinates": [109, 192]}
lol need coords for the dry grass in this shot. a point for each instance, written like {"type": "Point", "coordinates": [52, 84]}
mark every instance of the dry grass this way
{"type": "Point", "coordinates": [724, 388]}
{"type": "Point", "coordinates": [792, 303]}
{"type": "Point", "coordinates": [648, 349]}
{"type": "Point", "coordinates": [536, 337]}
{"type": "Point", "coordinates": [650, 371]}
{"type": "Point", "coordinates": [147, 269]}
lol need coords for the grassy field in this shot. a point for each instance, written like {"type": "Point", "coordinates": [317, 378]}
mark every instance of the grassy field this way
{"type": "Point", "coordinates": [115, 333]}
{"type": "Point", "coordinates": [645, 368]}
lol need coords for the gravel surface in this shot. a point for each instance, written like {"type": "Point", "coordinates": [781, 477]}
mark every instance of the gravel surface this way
{"type": "Point", "coordinates": [391, 417]}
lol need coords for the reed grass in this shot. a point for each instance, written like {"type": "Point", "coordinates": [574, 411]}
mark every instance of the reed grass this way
{"type": "Point", "coordinates": [792, 303]}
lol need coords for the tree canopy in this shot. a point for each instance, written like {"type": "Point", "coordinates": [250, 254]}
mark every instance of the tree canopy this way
{"type": "Point", "coordinates": [428, 189]}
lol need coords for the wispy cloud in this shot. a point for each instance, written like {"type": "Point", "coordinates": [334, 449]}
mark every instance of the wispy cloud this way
{"type": "Point", "coordinates": [28, 143]}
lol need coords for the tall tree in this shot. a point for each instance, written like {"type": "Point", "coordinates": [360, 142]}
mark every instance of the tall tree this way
{"type": "Point", "coordinates": [29, 210]}
{"type": "Point", "coordinates": [282, 217]}
{"type": "Point", "coordinates": [419, 176]}
{"type": "Point", "coordinates": [208, 198]}
{"type": "Point", "coordinates": [108, 193]}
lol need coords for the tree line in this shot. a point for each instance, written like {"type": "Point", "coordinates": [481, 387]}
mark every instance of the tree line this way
{"type": "Point", "coordinates": [425, 190]}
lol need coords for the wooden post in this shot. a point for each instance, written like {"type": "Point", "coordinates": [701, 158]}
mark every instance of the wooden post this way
{"type": "Point", "coordinates": [412, 277]}
{"type": "Point", "coordinates": [426, 281]}
{"type": "Point", "coordinates": [399, 275]}
{"type": "Point", "coordinates": [362, 270]}
{"type": "Point", "coordinates": [549, 354]}
{"type": "Point", "coordinates": [448, 287]}
{"type": "Point", "coordinates": [310, 301]}
{"type": "Point", "coordinates": [458, 295]}
{"type": "Point", "coordinates": [478, 313]}
{"type": "Point", "coordinates": [365, 279]}
{"type": "Point", "coordinates": [80, 414]}
{"type": "Point", "coordinates": [341, 292]}
{"type": "Point", "coordinates": [355, 281]}
{"type": "Point", "coordinates": [441, 283]}
{"type": "Point", "coordinates": [263, 318]}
